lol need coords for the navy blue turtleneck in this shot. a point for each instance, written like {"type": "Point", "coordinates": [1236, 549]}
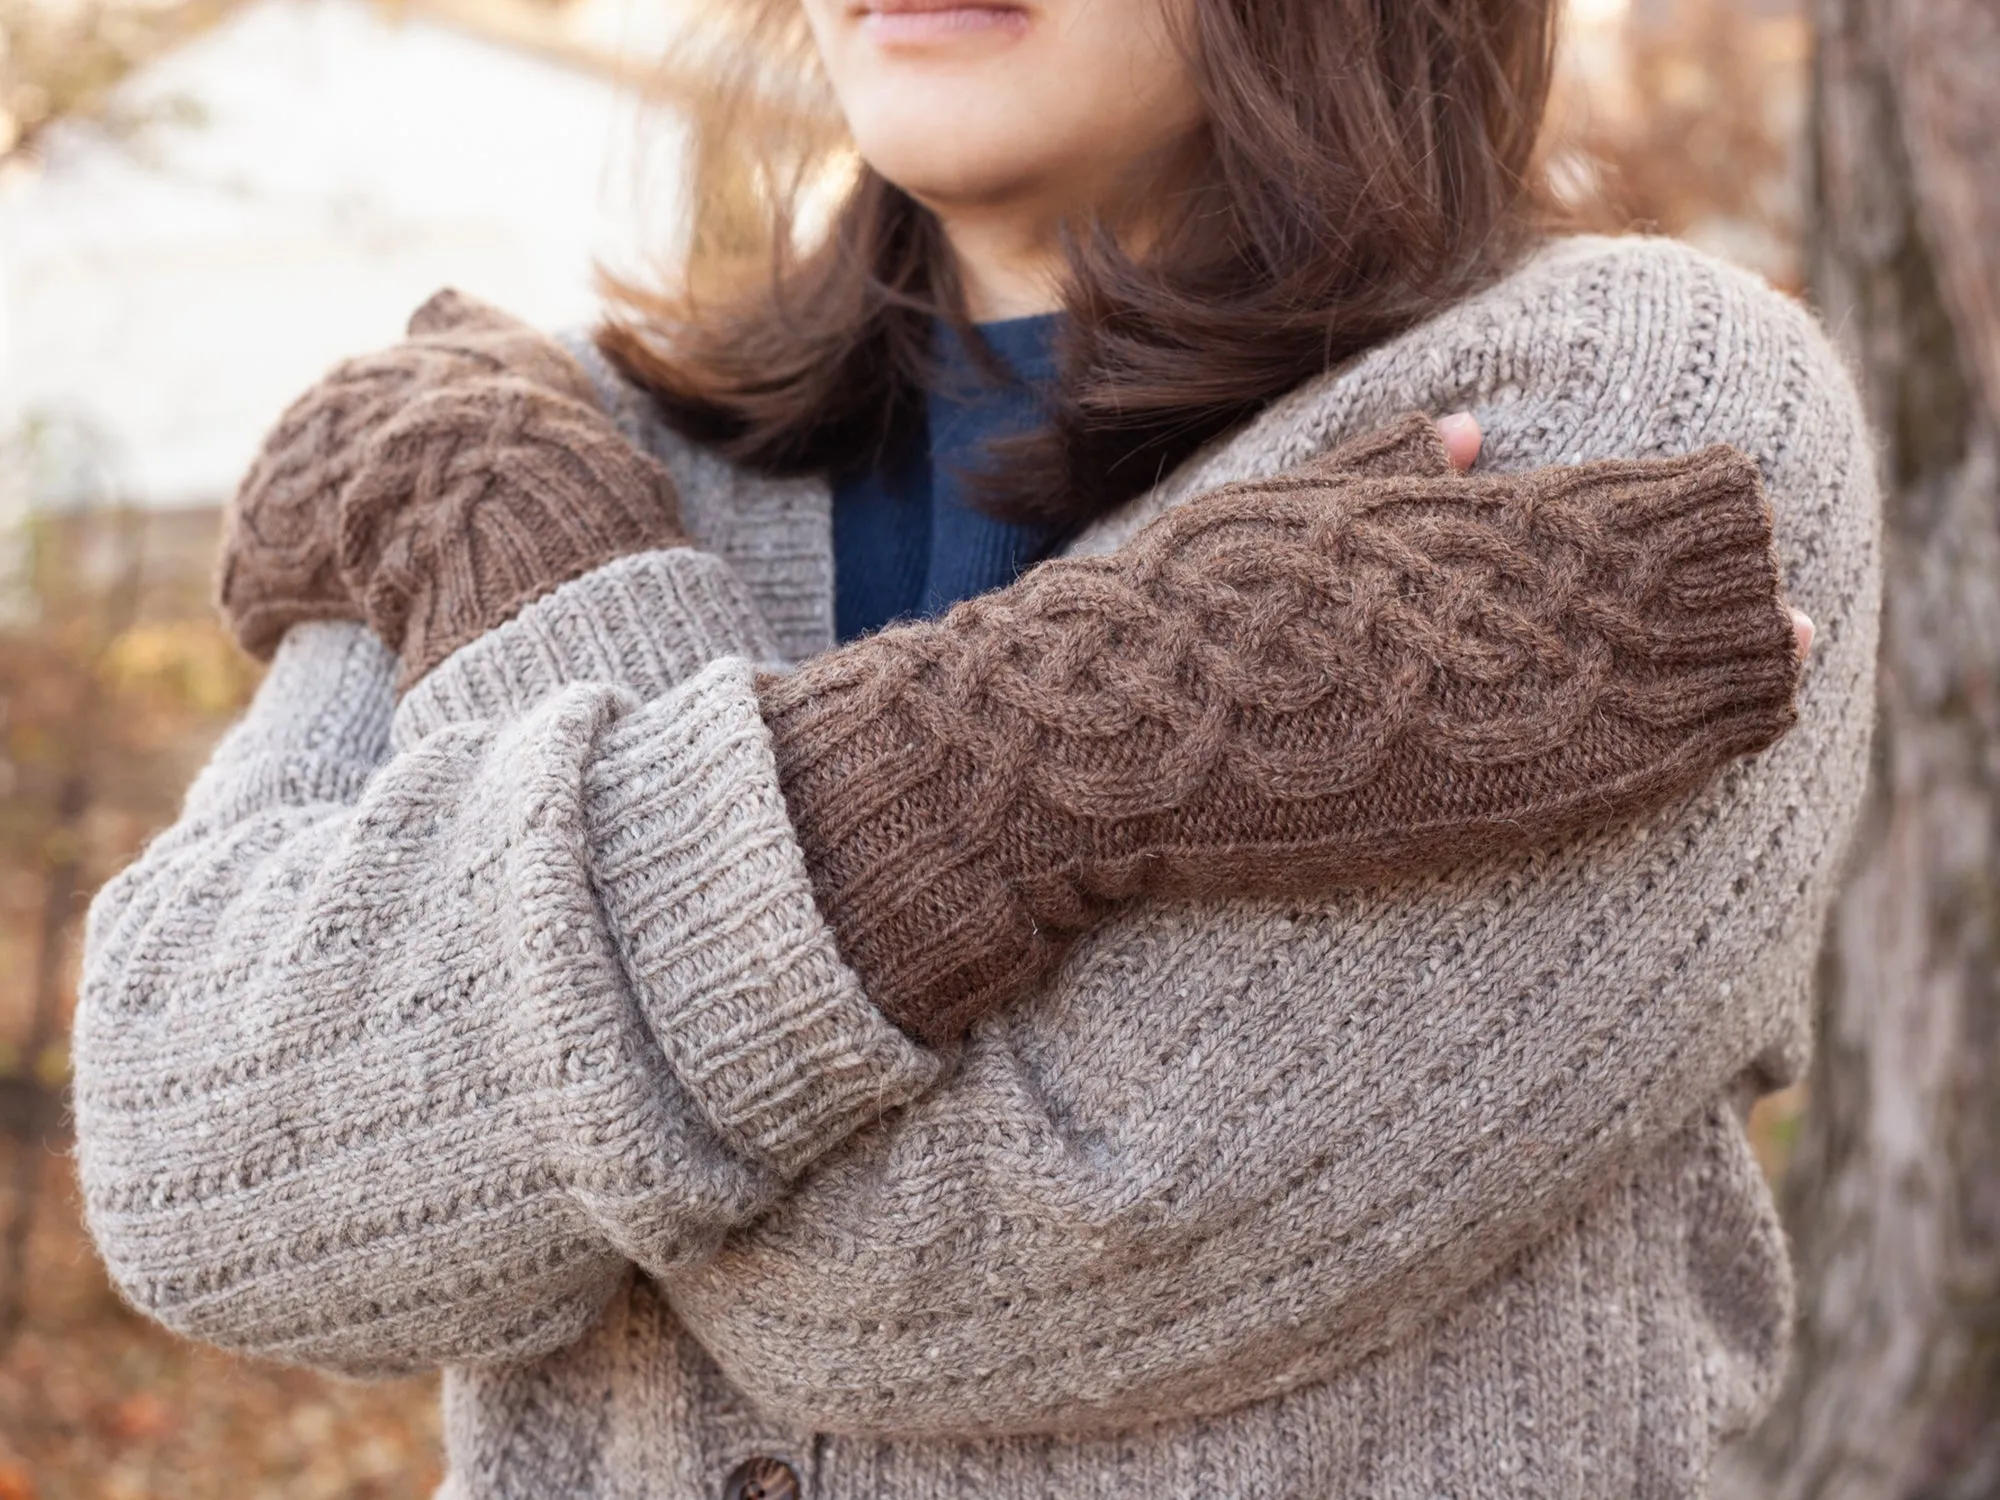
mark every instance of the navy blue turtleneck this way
{"type": "Point", "coordinates": [907, 543]}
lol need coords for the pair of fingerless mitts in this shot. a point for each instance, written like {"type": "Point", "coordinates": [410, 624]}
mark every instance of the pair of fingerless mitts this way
{"type": "Point", "coordinates": [1366, 667]}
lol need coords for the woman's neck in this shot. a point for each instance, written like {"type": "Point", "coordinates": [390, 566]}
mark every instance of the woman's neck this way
{"type": "Point", "coordinates": [1009, 250]}
{"type": "Point", "coordinates": [1010, 265]}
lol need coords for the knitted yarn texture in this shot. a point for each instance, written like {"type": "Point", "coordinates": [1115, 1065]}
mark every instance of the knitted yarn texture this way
{"type": "Point", "coordinates": [1367, 668]}
{"type": "Point", "coordinates": [499, 1028]}
{"type": "Point", "coordinates": [432, 489]}
{"type": "Point", "coordinates": [1282, 686]}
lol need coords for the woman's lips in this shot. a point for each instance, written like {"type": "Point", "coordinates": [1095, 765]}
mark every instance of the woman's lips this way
{"type": "Point", "coordinates": [915, 22]}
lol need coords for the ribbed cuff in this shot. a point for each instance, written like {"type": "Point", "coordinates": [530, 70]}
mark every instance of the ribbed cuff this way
{"type": "Point", "coordinates": [701, 877]}
{"type": "Point", "coordinates": [327, 693]}
{"type": "Point", "coordinates": [1716, 626]}
{"type": "Point", "coordinates": [645, 622]}
{"type": "Point", "coordinates": [315, 731]}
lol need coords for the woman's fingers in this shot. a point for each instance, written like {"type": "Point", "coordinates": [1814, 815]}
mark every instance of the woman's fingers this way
{"type": "Point", "coordinates": [1802, 627]}
{"type": "Point", "coordinates": [1462, 437]}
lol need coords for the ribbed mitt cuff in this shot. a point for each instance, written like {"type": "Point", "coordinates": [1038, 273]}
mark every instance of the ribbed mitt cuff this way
{"type": "Point", "coordinates": [694, 861]}
{"type": "Point", "coordinates": [1308, 681]}
{"type": "Point", "coordinates": [646, 622]}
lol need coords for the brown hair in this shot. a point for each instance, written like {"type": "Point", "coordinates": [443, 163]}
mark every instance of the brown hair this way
{"type": "Point", "coordinates": [1365, 163]}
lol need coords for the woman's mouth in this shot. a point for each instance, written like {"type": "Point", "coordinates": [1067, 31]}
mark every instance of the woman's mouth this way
{"type": "Point", "coordinates": [915, 23]}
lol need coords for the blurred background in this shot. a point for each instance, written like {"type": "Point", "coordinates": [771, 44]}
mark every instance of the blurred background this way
{"type": "Point", "coordinates": [205, 202]}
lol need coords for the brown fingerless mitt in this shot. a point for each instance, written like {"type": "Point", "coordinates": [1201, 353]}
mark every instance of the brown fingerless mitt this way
{"type": "Point", "coordinates": [1317, 679]}
{"type": "Point", "coordinates": [433, 489]}
{"type": "Point", "coordinates": [480, 497]}
{"type": "Point", "coordinates": [1368, 667]}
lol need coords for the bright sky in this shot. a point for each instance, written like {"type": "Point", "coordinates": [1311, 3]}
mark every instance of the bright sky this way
{"type": "Point", "coordinates": [172, 294]}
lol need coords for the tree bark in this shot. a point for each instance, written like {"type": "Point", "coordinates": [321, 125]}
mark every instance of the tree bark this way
{"type": "Point", "coordinates": [1894, 1195]}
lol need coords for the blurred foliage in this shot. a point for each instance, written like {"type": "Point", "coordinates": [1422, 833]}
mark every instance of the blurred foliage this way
{"type": "Point", "coordinates": [1696, 130]}
{"type": "Point", "coordinates": [175, 668]}
{"type": "Point", "coordinates": [63, 57]}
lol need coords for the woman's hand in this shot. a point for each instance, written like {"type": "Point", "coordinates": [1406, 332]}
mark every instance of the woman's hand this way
{"type": "Point", "coordinates": [1462, 438]}
{"type": "Point", "coordinates": [432, 489]}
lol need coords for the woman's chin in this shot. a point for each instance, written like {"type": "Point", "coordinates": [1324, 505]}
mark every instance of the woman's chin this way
{"type": "Point", "coordinates": [947, 174]}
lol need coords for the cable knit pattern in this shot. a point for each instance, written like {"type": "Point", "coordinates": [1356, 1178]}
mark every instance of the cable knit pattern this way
{"type": "Point", "coordinates": [479, 497]}
{"type": "Point", "coordinates": [280, 557]}
{"type": "Point", "coordinates": [1282, 686]}
{"type": "Point", "coordinates": [432, 489]}
{"type": "Point", "coordinates": [1207, 713]}
{"type": "Point", "coordinates": [1432, 1188]}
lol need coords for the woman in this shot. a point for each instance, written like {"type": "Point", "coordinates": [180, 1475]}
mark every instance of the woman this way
{"type": "Point", "coordinates": [1260, 1005]}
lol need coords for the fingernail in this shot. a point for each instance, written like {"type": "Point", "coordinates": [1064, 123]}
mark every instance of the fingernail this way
{"type": "Point", "coordinates": [1458, 421]}
{"type": "Point", "coordinates": [1802, 627]}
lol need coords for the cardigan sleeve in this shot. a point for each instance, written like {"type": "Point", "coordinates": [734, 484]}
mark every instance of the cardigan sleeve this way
{"type": "Point", "coordinates": [1242, 1146]}
{"type": "Point", "coordinates": [670, 1043]}
{"type": "Point", "coordinates": [367, 1077]}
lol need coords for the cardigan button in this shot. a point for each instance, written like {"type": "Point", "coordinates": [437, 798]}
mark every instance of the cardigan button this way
{"type": "Point", "coordinates": [761, 1479]}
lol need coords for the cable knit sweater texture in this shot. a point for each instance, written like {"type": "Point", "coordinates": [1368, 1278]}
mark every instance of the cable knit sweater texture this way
{"type": "Point", "coordinates": [1436, 1188]}
{"type": "Point", "coordinates": [1280, 687]}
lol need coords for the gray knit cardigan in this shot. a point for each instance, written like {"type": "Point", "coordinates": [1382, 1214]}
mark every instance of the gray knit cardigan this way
{"type": "Point", "coordinates": [498, 1030]}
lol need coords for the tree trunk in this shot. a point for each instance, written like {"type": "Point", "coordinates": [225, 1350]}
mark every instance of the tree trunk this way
{"type": "Point", "coordinates": [1894, 1193]}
